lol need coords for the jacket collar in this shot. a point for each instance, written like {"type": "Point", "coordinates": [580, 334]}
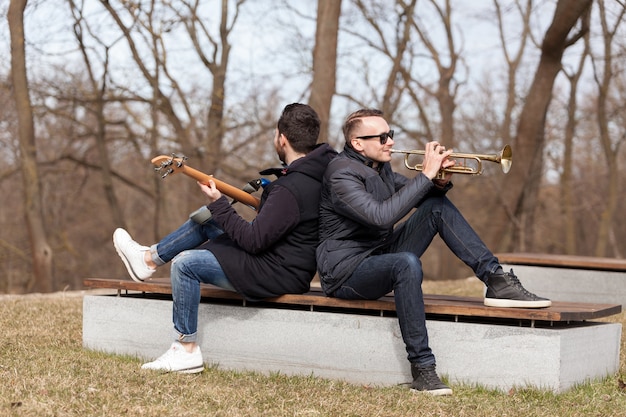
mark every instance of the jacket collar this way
{"type": "Point", "coordinates": [349, 151]}
{"type": "Point", "coordinates": [312, 164]}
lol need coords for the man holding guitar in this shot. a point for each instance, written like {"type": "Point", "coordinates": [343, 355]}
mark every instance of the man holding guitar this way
{"type": "Point", "coordinates": [268, 257]}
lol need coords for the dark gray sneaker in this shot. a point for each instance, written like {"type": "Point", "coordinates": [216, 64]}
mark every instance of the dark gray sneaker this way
{"type": "Point", "coordinates": [425, 380]}
{"type": "Point", "coordinates": [505, 290]}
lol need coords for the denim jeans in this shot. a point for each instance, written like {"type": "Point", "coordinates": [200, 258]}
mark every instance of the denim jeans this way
{"type": "Point", "coordinates": [399, 268]}
{"type": "Point", "coordinates": [190, 267]}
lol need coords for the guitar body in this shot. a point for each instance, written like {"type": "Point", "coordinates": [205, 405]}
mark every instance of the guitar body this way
{"type": "Point", "coordinates": [172, 165]}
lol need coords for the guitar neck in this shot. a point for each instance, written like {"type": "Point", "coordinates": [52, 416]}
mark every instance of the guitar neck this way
{"type": "Point", "coordinates": [233, 192]}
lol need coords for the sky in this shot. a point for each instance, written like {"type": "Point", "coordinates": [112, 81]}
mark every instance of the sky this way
{"type": "Point", "coordinates": [263, 33]}
{"type": "Point", "coordinates": [268, 38]}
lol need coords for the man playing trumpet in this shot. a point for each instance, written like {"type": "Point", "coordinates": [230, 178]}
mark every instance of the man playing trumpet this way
{"type": "Point", "coordinates": [364, 255]}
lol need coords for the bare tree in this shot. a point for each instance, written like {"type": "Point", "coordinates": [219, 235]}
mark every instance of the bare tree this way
{"type": "Point", "coordinates": [197, 133]}
{"type": "Point", "coordinates": [164, 103]}
{"type": "Point", "coordinates": [522, 184]}
{"type": "Point", "coordinates": [501, 130]}
{"type": "Point", "coordinates": [96, 103]}
{"type": "Point", "coordinates": [104, 114]}
{"type": "Point", "coordinates": [325, 61]}
{"type": "Point", "coordinates": [410, 46]}
{"type": "Point", "coordinates": [610, 143]}
{"type": "Point", "coordinates": [568, 201]}
{"type": "Point", "coordinates": [215, 59]}
{"type": "Point", "coordinates": [513, 60]}
{"type": "Point", "coordinates": [42, 279]}
{"type": "Point", "coordinates": [446, 62]}
{"type": "Point", "coordinates": [391, 41]}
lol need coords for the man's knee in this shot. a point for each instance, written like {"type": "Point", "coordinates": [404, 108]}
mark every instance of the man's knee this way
{"type": "Point", "coordinates": [409, 267]}
{"type": "Point", "coordinates": [180, 265]}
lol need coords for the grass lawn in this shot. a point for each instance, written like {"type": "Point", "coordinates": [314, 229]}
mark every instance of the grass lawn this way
{"type": "Point", "coordinates": [44, 371]}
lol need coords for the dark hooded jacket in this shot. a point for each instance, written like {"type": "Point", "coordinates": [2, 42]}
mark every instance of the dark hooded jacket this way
{"type": "Point", "coordinates": [275, 253]}
{"type": "Point", "coordinates": [358, 210]}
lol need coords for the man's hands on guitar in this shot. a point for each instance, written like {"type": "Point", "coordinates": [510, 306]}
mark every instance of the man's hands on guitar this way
{"type": "Point", "coordinates": [210, 190]}
{"type": "Point", "coordinates": [167, 165]}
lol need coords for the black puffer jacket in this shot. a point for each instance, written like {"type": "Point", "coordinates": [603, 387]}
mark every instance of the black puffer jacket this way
{"type": "Point", "coordinates": [358, 210]}
{"type": "Point", "coordinates": [275, 254]}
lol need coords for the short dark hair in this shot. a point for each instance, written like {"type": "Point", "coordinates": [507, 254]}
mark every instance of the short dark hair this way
{"type": "Point", "coordinates": [301, 126]}
{"type": "Point", "coordinates": [354, 120]}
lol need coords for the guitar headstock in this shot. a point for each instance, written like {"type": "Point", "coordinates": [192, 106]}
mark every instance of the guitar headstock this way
{"type": "Point", "coordinates": [166, 165]}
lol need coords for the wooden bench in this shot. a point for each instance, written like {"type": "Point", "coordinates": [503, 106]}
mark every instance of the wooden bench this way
{"type": "Point", "coordinates": [455, 307]}
{"type": "Point", "coordinates": [570, 278]}
{"type": "Point", "coordinates": [360, 341]}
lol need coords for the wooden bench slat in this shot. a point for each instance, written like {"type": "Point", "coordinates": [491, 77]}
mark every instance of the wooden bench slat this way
{"type": "Point", "coordinates": [563, 261]}
{"type": "Point", "coordinates": [313, 297]}
{"type": "Point", "coordinates": [446, 305]}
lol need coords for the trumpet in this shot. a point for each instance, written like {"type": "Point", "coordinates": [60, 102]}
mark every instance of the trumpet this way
{"type": "Point", "coordinates": [504, 158]}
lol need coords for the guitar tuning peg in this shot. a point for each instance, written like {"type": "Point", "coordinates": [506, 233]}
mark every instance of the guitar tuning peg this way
{"type": "Point", "coordinates": [165, 164]}
{"type": "Point", "coordinates": [180, 159]}
{"type": "Point", "coordinates": [167, 172]}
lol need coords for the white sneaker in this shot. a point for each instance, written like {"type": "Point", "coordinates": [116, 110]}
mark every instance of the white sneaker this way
{"type": "Point", "coordinates": [177, 359]}
{"type": "Point", "coordinates": [132, 254]}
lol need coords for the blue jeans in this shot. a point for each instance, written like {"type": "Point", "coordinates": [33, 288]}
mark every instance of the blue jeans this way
{"type": "Point", "coordinates": [399, 268]}
{"type": "Point", "coordinates": [190, 267]}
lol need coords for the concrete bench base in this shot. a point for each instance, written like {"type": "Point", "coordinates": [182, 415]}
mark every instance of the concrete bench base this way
{"type": "Point", "coordinates": [569, 284]}
{"type": "Point", "coordinates": [570, 278]}
{"type": "Point", "coordinates": [358, 348]}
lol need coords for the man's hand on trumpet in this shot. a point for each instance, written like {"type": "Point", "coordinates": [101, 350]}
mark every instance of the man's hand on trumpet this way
{"type": "Point", "coordinates": [436, 159]}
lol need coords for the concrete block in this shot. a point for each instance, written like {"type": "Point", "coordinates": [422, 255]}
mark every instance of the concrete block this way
{"type": "Point", "coordinates": [359, 349]}
{"type": "Point", "coordinates": [578, 285]}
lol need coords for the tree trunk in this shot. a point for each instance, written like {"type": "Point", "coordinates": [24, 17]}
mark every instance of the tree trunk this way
{"type": "Point", "coordinates": [325, 61]}
{"type": "Point", "coordinates": [568, 199]}
{"type": "Point", "coordinates": [215, 122]}
{"type": "Point", "coordinates": [42, 280]}
{"type": "Point", "coordinates": [98, 93]}
{"type": "Point", "coordinates": [523, 181]}
{"type": "Point", "coordinates": [606, 141]}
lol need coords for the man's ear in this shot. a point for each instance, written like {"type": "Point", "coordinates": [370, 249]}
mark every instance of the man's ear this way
{"type": "Point", "coordinates": [356, 145]}
{"type": "Point", "coordinates": [282, 140]}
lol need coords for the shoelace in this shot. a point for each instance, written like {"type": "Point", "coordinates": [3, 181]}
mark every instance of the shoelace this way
{"type": "Point", "coordinates": [517, 284]}
{"type": "Point", "coordinates": [429, 375]}
{"type": "Point", "coordinates": [136, 245]}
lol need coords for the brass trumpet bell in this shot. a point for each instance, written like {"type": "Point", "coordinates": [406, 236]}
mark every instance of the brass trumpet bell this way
{"type": "Point", "coordinates": [504, 158]}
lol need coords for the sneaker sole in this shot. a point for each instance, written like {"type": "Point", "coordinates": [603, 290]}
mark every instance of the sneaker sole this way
{"type": "Point", "coordinates": [191, 371]}
{"type": "Point", "coordinates": [130, 270]}
{"type": "Point", "coordinates": [127, 264]}
{"type": "Point", "coordinates": [508, 303]}
{"type": "Point", "coordinates": [195, 370]}
{"type": "Point", "coordinates": [435, 392]}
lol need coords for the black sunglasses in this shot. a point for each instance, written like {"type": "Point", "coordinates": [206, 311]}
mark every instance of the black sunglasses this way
{"type": "Point", "coordinates": [383, 137]}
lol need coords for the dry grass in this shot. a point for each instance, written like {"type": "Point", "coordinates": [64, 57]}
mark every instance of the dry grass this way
{"type": "Point", "coordinates": [44, 371]}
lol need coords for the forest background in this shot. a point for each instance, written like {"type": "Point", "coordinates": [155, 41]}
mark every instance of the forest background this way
{"type": "Point", "coordinates": [94, 89]}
